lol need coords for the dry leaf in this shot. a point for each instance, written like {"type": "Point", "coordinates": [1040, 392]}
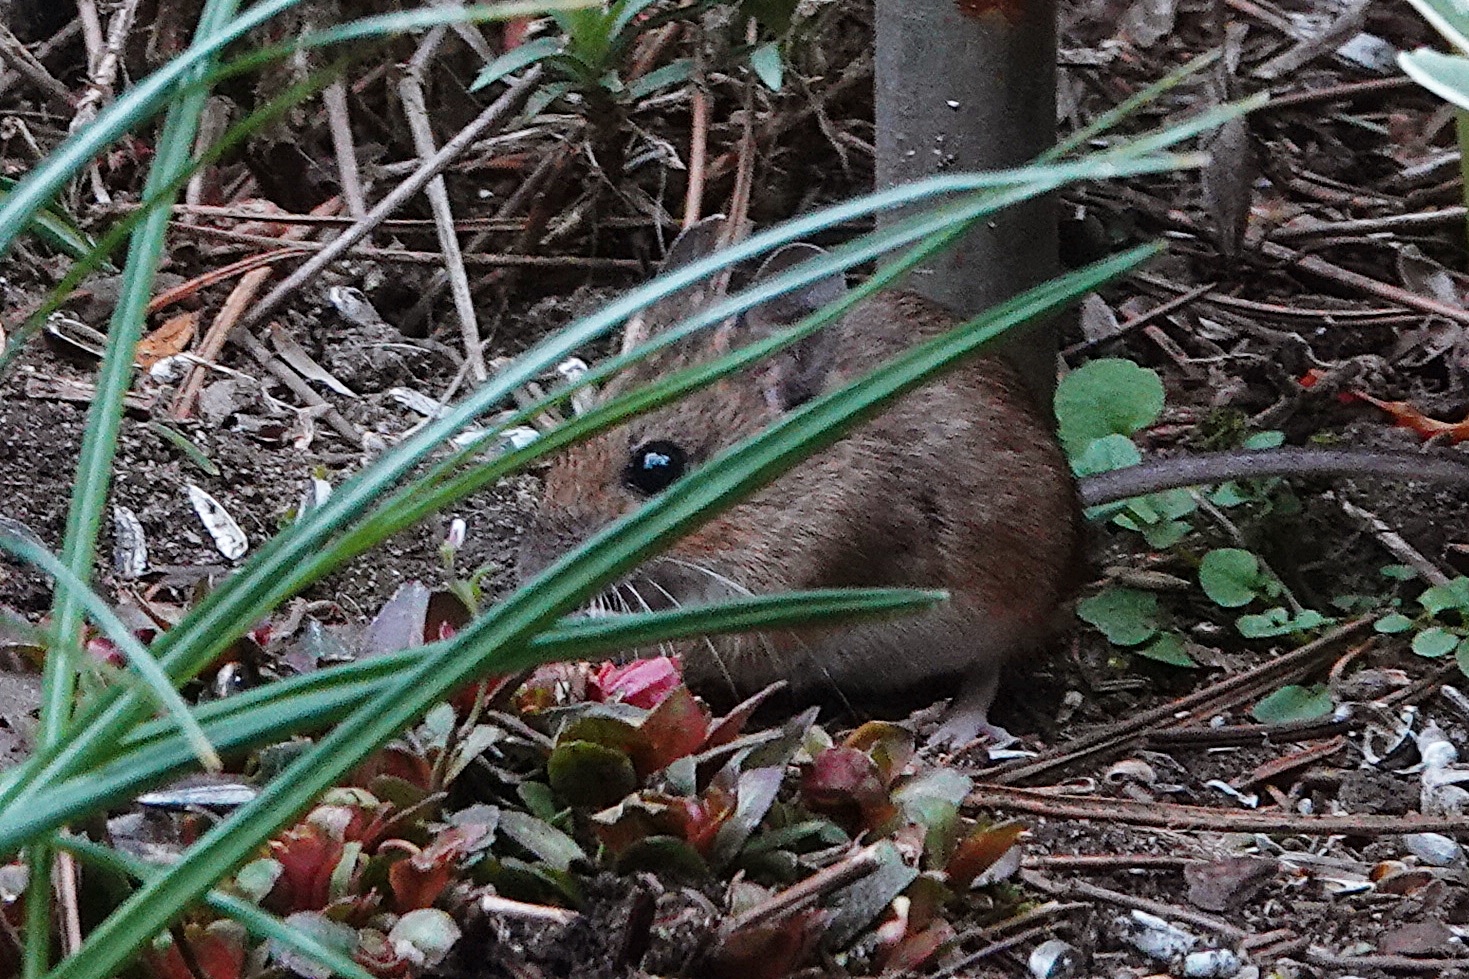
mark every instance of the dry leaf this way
{"type": "Point", "coordinates": [169, 339]}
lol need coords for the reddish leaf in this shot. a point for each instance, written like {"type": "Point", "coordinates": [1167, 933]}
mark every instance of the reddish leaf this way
{"type": "Point", "coordinates": [377, 955]}
{"type": "Point", "coordinates": [513, 32]}
{"type": "Point", "coordinates": [218, 949]}
{"type": "Point", "coordinates": [1406, 416]}
{"type": "Point", "coordinates": [418, 879]}
{"type": "Point", "coordinates": [979, 851]}
{"type": "Point", "coordinates": [395, 761]}
{"type": "Point", "coordinates": [641, 683]}
{"type": "Point", "coordinates": [916, 950]}
{"type": "Point", "coordinates": [674, 729]}
{"type": "Point", "coordinates": [732, 725]}
{"type": "Point", "coordinates": [551, 685]}
{"type": "Point", "coordinates": [445, 615]}
{"type": "Point", "coordinates": [308, 855]}
{"type": "Point", "coordinates": [769, 950]}
{"type": "Point", "coordinates": [845, 784]}
{"type": "Point", "coordinates": [888, 745]}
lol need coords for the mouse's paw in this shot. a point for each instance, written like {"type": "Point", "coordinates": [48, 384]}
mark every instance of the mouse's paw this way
{"type": "Point", "coordinates": [967, 719]}
{"type": "Point", "coordinates": [961, 728]}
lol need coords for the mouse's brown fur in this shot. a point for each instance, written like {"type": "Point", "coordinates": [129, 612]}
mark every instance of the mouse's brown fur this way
{"type": "Point", "coordinates": [960, 485]}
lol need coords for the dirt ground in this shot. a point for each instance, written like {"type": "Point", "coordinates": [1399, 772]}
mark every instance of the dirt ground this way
{"type": "Point", "coordinates": [1145, 788]}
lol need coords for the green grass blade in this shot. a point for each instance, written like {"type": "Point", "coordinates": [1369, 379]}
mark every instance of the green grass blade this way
{"type": "Point", "coordinates": [94, 468]}
{"type": "Point", "coordinates": [1109, 119]}
{"type": "Point", "coordinates": [261, 924]}
{"type": "Point", "coordinates": [608, 554]}
{"type": "Point", "coordinates": [53, 227]}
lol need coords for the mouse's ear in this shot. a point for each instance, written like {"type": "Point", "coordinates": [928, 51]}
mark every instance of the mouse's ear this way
{"type": "Point", "coordinates": [799, 372]}
{"type": "Point", "coordinates": [697, 241]}
{"type": "Point", "coordinates": [787, 309]}
{"type": "Point", "coordinates": [694, 242]}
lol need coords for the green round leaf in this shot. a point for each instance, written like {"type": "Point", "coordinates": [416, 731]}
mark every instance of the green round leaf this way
{"type": "Point", "coordinates": [1106, 397]}
{"type": "Point", "coordinates": [1161, 536]}
{"type": "Point", "coordinates": [1393, 624]}
{"type": "Point", "coordinates": [588, 774]}
{"type": "Point", "coordinates": [1268, 439]}
{"type": "Point", "coordinates": [1399, 572]}
{"type": "Point", "coordinates": [1105, 454]}
{"type": "Point", "coordinates": [1230, 576]}
{"type": "Point", "coordinates": [1169, 648]}
{"type": "Point", "coordinates": [1271, 622]}
{"type": "Point", "coordinates": [1230, 494]}
{"type": "Point", "coordinates": [1126, 616]}
{"type": "Point", "coordinates": [1461, 657]}
{"type": "Point", "coordinates": [1441, 598]}
{"type": "Point", "coordinates": [1435, 642]}
{"type": "Point", "coordinates": [1294, 703]}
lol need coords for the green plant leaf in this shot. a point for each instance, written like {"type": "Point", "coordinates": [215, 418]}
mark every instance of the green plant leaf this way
{"type": "Point", "coordinates": [1461, 657]}
{"type": "Point", "coordinates": [515, 59]}
{"type": "Point", "coordinates": [1126, 616]}
{"type": "Point", "coordinates": [623, 14]}
{"type": "Point", "coordinates": [1398, 572]}
{"type": "Point", "coordinates": [1161, 536]}
{"type": "Point", "coordinates": [768, 65]}
{"type": "Point", "coordinates": [1279, 622]}
{"type": "Point", "coordinates": [1104, 454]}
{"type": "Point", "coordinates": [1446, 76]}
{"type": "Point", "coordinates": [547, 842]}
{"type": "Point", "coordinates": [54, 228]}
{"type": "Point", "coordinates": [1442, 598]}
{"type": "Point", "coordinates": [1294, 703]}
{"type": "Point", "coordinates": [1170, 648]}
{"type": "Point", "coordinates": [671, 74]}
{"type": "Point", "coordinates": [1230, 576]}
{"type": "Point", "coordinates": [1393, 624]}
{"type": "Point", "coordinates": [1271, 622]}
{"type": "Point", "coordinates": [1106, 397]}
{"type": "Point", "coordinates": [1435, 642]}
{"type": "Point", "coordinates": [1269, 439]}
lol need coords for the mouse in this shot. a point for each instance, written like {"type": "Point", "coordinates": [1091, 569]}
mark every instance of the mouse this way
{"type": "Point", "coordinates": [961, 485]}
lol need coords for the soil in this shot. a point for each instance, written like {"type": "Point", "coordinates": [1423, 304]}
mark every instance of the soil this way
{"type": "Point", "coordinates": [1273, 345]}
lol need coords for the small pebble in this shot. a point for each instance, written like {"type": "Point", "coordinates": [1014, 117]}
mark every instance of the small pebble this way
{"type": "Point", "coordinates": [1216, 963]}
{"type": "Point", "coordinates": [1434, 849]}
{"type": "Point", "coordinates": [1055, 959]}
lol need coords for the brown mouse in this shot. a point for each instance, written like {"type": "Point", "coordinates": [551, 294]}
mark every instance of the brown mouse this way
{"type": "Point", "coordinates": [961, 485]}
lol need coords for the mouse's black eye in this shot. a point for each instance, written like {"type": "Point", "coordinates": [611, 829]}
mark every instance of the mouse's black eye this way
{"type": "Point", "coordinates": [653, 466]}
